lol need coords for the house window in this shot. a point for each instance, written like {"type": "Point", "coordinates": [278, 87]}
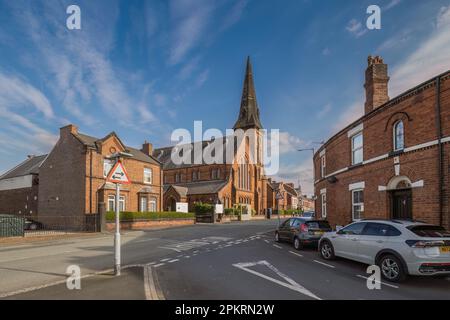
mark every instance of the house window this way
{"type": "Point", "coordinates": [148, 175]}
{"type": "Point", "coordinates": [144, 204]}
{"type": "Point", "coordinates": [357, 204]}
{"type": "Point", "coordinates": [399, 136]}
{"type": "Point", "coordinates": [322, 166]}
{"type": "Point", "coordinates": [324, 205]}
{"type": "Point", "coordinates": [357, 148]}
{"type": "Point", "coordinates": [177, 177]}
{"type": "Point", "coordinates": [107, 166]}
{"type": "Point", "coordinates": [152, 205]}
{"type": "Point", "coordinates": [112, 203]}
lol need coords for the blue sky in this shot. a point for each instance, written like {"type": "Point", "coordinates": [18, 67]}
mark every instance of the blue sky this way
{"type": "Point", "coordinates": [144, 68]}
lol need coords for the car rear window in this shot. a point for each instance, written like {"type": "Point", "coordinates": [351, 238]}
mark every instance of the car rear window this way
{"type": "Point", "coordinates": [430, 231]}
{"type": "Point", "coordinates": [318, 225]}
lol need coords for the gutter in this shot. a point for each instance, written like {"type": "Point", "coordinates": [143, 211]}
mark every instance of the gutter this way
{"type": "Point", "coordinates": [440, 149]}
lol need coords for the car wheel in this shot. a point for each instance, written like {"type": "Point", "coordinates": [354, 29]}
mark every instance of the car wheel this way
{"type": "Point", "coordinates": [277, 237]}
{"type": "Point", "coordinates": [298, 245]}
{"type": "Point", "coordinates": [392, 268]}
{"type": "Point", "coordinates": [326, 250]}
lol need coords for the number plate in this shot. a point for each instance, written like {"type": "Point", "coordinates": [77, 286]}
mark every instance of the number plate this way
{"type": "Point", "coordinates": [444, 249]}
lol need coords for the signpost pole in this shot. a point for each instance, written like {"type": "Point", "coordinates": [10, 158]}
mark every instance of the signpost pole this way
{"type": "Point", "coordinates": [117, 234]}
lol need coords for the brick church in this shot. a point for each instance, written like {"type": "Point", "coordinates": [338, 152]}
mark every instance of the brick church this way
{"type": "Point", "coordinates": [239, 181]}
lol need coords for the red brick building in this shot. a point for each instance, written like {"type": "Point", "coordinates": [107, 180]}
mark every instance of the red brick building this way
{"type": "Point", "coordinates": [239, 181]}
{"type": "Point", "coordinates": [393, 162]}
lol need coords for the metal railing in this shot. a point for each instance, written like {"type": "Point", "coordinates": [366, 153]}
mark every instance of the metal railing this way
{"type": "Point", "coordinates": [23, 226]}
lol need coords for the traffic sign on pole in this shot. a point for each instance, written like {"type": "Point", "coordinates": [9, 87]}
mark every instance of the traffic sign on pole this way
{"type": "Point", "coordinates": [118, 174]}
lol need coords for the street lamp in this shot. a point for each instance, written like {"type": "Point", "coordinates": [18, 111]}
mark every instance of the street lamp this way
{"type": "Point", "coordinates": [117, 156]}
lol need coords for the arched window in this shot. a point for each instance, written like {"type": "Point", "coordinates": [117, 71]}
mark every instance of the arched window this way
{"type": "Point", "coordinates": [399, 136]}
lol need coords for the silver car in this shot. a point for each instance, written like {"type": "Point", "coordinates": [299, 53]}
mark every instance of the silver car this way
{"type": "Point", "coordinates": [398, 247]}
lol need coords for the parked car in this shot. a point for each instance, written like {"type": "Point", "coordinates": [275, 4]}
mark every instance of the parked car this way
{"type": "Point", "coordinates": [30, 224]}
{"type": "Point", "coordinates": [301, 231]}
{"type": "Point", "coordinates": [399, 247]}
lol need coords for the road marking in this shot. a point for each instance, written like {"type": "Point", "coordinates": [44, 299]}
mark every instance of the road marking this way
{"type": "Point", "coordinates": [277, 246]}
{"type": "Point", "coordinates": [324, 264]}
{"type": "Point", "coordinates": [164, 260]}
{"type": "Point", "coordinates": [149, 285]}
{"type": "Point", "coordinates": [291, 284]}
{"type": "Point", "coordinates": [180, 246]}
{"type": "Point", "coordinates": [146, 240]}
{"type": "Point", "coordinates": [295, 253]}
{"type": "Point", "coordinates": [186, 257]}
{"type": "Point", "coordinates": [158, 265]}
{"type": "Point", "coordinates": [386, 284]}
{"type": "Point", "coordinates": [266, 241]}
{"type": "Point", "coordinates": [174, 260]}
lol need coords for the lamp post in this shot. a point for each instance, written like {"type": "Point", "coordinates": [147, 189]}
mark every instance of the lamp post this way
{"type": "Point", "coordinates": [117, 252]}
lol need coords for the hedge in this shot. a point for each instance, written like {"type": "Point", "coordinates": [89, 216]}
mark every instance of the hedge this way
{"type": "Point", "coordinates": [129, 216]}
{"type": "Point", "coordinates": [200, 208]}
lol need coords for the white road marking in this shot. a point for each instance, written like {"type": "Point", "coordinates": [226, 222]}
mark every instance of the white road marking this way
{"type": "Point", "coordinates": [164, 260]}
{"type": "Point", "coordinates": [174, 260]}
{"type": "Point", "coordinates": [186, 257]}
{"type": "Point", "coordinates": [266, 241]}
{"type": "Point", "coordinates": [277, 246]}
{"type": "Point", "coordinates": [291, 284]}
{"type": "Point", "coordinates": [324, 264]}
{"type": "Point", "coordinates": [146, 240]}
{"type": "Point", "coordinates": [158, 265]}
{"type": "Point", "coordinates": [295, 253]}
{"type": "Point", "coordinates": [180, 246]}
{"type": "Point", "coordinates": [386, 284]}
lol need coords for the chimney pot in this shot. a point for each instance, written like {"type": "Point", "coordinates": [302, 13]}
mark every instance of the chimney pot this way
{"type": "Point", "coordinates": [147, 148]}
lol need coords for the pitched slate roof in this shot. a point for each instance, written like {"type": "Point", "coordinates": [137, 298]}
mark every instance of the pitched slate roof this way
{"type": "Point", "coordinates": [202, 187]}
{"type": "Point", "coordinates": [164, 154]}
{"type": "Point", "coordinates": [137, 154]}
{"type": "Point", "coordinates": [29, 166]}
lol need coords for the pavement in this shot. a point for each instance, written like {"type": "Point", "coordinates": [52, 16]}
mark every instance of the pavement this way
{"type": "Point", "coordinates": [220, 262]}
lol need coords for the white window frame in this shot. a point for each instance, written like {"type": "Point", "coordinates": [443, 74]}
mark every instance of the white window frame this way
{"type": "Point", "coordinates": [357, 149]}
{"type": "Point", "coordinates": [360, 204]}
{"type": "Point", "coordinates": [107, 163]}
{"type": "Point", "coordinates": [323, 201]}
{"type": "Point", "coordinates": [122, 203]}
{"type": "Point", "coordinates": [148, 176]}
{"type": "Point", "coordinates": [113, 199]}
{"type": "Point", "coordinates": [153, 204]}
{"type": "Point", "coordinates": [322, 166]}
{"type": "Point", "coordinates": [141, 203]}
{"type": "Point", "coordinates": [394, 134]}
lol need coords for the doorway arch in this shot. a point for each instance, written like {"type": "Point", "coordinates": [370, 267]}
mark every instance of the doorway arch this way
{"type": "Point", "coordinates": [401, 197]}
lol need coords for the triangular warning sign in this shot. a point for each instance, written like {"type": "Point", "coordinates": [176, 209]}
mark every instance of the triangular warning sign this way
{"type": "Point", "coordinates": [118, 174]}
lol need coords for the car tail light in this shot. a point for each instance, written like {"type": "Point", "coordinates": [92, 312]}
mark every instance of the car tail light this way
{"type": "Point", "coordinates": [304, 227]}
{"type": "Point", "coordinates": [424, 243]}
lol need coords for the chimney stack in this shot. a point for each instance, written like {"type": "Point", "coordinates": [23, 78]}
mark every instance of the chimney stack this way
{"type": "Point", "coordinates": [69, 129]}
{"type": "Point", "coordinates": [376, 83]}
{"type": "Point", "coordinates": [147, 148]}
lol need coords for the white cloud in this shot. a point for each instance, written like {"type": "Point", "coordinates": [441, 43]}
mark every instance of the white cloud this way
{"type": "Point", "coordinates": [324, 111]}
{"type": "Point", "coordinates": [392, 4]}
{"type": "Point", "coordinates": [201, 79]}
{"type": "Point", "coordinates": [302, 172]}
{"type": "Point", "coordinates": [234, 15]}
{"type": "Point", "coordinates": [429, 59]}
{"type": "Point", "coordinates": [356, 28]}
{"type": "Point", "coordinates": [326, 51]}
{"type": "Point", "coordinates": [349, 114]}
{"type": "Point", "coordinates": [190, 18]}
{"type": "Point", "coordinates": [16, 93]}
{"type": "Point", "coordinates": [289, 143]}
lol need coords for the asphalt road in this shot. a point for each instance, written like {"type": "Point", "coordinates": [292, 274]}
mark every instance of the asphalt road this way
{"type": "Point", "coordinates": [230, 261]}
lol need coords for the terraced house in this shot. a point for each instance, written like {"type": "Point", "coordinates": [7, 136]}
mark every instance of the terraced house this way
{"type": "Point", "coordinates": [393, 162]}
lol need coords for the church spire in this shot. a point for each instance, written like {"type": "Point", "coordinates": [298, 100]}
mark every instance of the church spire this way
{"type": "Point", "coordinates": [249, 112]}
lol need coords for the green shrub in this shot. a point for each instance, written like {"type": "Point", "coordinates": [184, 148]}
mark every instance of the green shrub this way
{"type": "Point", "coordinates": [130, 216]}
{"type": "Point", "coordinates": [200, 208]}
{"type": "Point", "coordinates": [229, 212]}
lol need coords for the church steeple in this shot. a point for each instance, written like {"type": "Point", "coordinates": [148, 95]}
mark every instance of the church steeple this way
{"type": "Point", "coordinates": [249, 112]}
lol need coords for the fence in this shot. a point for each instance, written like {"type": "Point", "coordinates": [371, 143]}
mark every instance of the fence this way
{"type": "Point", "coordinates": [14, 225]}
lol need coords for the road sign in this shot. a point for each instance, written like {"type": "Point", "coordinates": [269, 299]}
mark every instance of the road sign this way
{"type": "Point", "coordinates": [279, 196]}
{"type": "Point", "coordinates": [118, 174]}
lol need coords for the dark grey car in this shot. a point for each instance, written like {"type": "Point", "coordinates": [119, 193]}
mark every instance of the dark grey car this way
{"type": "Point", "coordinates": [301, 231]}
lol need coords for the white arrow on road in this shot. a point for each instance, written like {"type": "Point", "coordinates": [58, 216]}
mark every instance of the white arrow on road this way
{"type": "Point", "coordinates": [291, 284]}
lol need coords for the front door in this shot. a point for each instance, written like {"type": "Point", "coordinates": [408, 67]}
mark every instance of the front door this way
{"type": "Point", "coordinates": [402, 204]}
